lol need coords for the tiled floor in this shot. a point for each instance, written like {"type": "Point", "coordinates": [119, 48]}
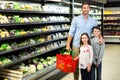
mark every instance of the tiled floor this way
{"type": "Point", "coordinates": [111, 64]}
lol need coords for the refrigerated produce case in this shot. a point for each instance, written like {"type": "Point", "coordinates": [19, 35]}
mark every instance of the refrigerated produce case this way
{"type": "Point", "coordinates": [32, 32]}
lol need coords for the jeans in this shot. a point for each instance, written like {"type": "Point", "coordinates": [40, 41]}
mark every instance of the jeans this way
{"type": "Point", "coordinates": [96, 72]}
{"type": "Point", "coordinates": [76, 53]}
{"type": "Point", "coordinates": [85, 75]}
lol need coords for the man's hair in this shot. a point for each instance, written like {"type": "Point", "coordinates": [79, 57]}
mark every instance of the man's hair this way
{"type": "Point", "coordinates": [85, 3]}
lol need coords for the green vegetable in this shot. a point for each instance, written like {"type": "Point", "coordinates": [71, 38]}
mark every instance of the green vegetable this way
{"type": "Point", "coordinates": [4, 45]}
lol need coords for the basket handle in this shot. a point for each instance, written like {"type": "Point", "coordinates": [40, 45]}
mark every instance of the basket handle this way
{"type": "Point", "coordinates": [70, 51]}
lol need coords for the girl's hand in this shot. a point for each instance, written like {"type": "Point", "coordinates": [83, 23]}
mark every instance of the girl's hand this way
{"type": "Point", "coordinates": [75, 58]}
{"type": "Point", "coordinates": [97, 65]}
{"type": "Point", "coordinates": [88, 68]}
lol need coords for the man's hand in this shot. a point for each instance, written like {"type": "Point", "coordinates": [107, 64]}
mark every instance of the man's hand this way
{"type": "Point", "coordinates": [100, 40]}
{"type": "Point", "coordinates": [68, 48]}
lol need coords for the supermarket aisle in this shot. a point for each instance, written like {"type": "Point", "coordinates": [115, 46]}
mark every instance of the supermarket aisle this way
{"type": "Point", "coordinates": [111, 64]}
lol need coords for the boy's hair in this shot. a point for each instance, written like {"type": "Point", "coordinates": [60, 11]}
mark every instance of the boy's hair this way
{"type": "Point", "coordinates": [97, 27]}
{"type": "Point", "coordinates": [81, 43]}
{"type": "Point", "coordinates": [85, 3]}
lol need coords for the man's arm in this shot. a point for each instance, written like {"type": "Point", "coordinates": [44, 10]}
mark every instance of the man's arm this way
{"type": "Point", "coordinates": [71, 34]}
{"type": "Point", "coordinates": [69, 40]}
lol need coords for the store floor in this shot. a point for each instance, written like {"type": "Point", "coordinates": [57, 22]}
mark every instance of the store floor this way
{"type": "Point", "coordinates": [111, 64]}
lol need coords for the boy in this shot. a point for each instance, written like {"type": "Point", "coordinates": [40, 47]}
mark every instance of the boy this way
{"type": "Point", "coordinates": [98, 50]}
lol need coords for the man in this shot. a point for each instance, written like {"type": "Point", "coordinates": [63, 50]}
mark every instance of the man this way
{"type": "Point", "coordinates": [80, 24]}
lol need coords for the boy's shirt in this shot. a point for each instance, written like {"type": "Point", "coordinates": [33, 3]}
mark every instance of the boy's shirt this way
{"type": "Point", "coordinates": [98, 50]}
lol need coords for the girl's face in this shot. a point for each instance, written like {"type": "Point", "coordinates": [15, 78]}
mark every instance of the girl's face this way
{"type": "Point", "coordinates": [96, 33]}
{"type": "Point", "coordinates": [84, 39]}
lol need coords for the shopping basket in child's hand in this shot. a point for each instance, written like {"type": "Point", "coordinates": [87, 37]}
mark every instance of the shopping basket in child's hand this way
{"type": "Point", "coordinates": [66, 62]}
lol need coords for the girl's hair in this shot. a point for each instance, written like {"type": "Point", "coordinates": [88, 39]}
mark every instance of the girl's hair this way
{"type": "Point", "coordinates": [81, 43]}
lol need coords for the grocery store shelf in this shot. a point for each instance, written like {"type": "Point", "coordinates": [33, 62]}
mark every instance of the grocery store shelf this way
{"type": "Point", "coordinates": [116, 20]}
{"type": "Point", "coordinates": [92, 6]}
{"type": "Point", "coordinates": [111, 29]}
{"type": "Point", "coordinates": [32, 23]}
{"type": "Point", "coordinates": [111, 14]}
{"type": "Point", "coordinates": [57, 1]}
{"type": "Point", "coordinates": [33, 34]}
{"type": "Point", "coordinates": [48, 75]}
{"type": "Point", "coordinates": [112, 25]}
{"type": "Point", "coordinates": [57, 76]}
{"type": "Point", "coordinates": [95, 14]}
{"type": "Point", "coordinates": [112, 39]}
{"type": "Point", "coordinates": [18, 61]}
{"type": "Point", "coordinates": [36, 1]}
{"type": "Point", "coordinates": [31, 12]}
{"type": "Point", "coordinates": [112, 36]}
{"type": "Point", "coordinates": [98, 19]}
{"type": "Point", "coordinates": [112, 42]}
{"type": "Point", "coordinates": [41, 73]}
{"type": "Point", "coordinates": [78, 4]}
{"type": "Point", "coordinates": [28, 46]}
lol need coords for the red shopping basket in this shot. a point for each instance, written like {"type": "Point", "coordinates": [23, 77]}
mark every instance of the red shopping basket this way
{"type": "Point", "coordinates": [66, 63]}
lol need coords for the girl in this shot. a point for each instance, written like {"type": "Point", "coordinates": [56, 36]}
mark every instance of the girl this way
{"type": "Point", "coordinates": [85, 57]}
{"type": "Point", "coordinates": [98, 50]}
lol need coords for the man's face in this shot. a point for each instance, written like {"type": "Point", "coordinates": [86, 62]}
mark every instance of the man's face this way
{"type": "Point", "coordinates": [85, 9]}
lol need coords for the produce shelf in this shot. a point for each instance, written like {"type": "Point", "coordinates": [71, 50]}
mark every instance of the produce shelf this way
{"type": "Point", "coordinates": [18, 61]}
{"type": "Point", "coordinates": [33, 34]}
{"type": "Point", "coordinates": [53, 72]}
{"type": "Point", "coordinates": [25, 47]}
{"type": "Point", "coordinates": [36, 1]}
{"type": "Point", "coordinates": [41, 72]}
{"type": "Point", "coordinates": [32, 23]}
{"type": "Point", "coordinates": [57, 1]}
{"type": "Point", "coordinates": [31, 12]}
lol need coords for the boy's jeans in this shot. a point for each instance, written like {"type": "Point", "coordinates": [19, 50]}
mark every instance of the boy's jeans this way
{"type": "Point", "coordinates": [96, 70]}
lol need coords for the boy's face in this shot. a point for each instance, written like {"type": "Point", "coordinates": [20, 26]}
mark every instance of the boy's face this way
{"type": "Point", "coordinates": [96, 32]}
{"type": "Point", "coordinates": [84, 39]}
{"type": "Point", "coordinates": [85, 9]}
